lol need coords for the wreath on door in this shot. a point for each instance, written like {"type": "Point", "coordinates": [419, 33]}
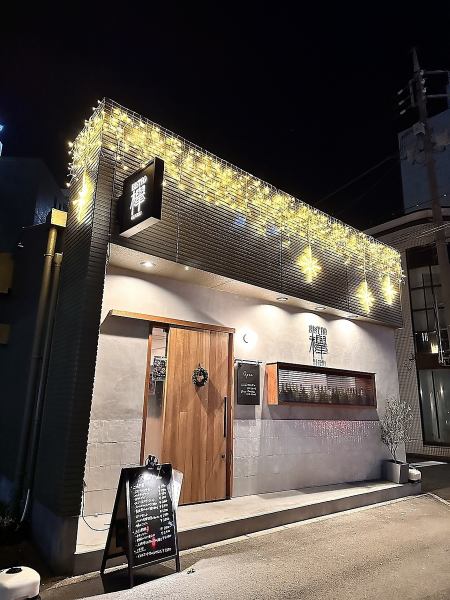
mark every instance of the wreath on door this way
{"type": "Point", "coordinates": [200, 376]}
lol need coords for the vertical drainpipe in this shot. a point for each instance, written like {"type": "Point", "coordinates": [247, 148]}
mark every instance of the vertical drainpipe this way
{"type": "Point", "coordinates": [36, 355]}
{"type": "Point", "coordinates": [36, 416]}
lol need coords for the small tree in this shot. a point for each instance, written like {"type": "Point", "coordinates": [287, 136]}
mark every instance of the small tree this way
{"type": "Point", "coordinates": [396, 425]}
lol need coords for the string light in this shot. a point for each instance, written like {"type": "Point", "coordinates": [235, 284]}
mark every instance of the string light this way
{"type": "Point", "coordinates": [365, 296]}
{"type": "Point", "coordinates": [388, 289]}
{"type": "Point", "coordinates": [309, 265]}
{"type": "Point", "coordinates": [83, 199]}
{"type": "Point", "coordinates": [210, 180]}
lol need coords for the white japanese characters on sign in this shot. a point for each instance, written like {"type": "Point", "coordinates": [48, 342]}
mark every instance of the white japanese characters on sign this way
{"type": "Point", "coordinates": [137, 197]}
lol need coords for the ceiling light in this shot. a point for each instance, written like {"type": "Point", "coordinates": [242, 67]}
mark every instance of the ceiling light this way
{"type": "Point", "coordinates": [282, 298]}
{"type": "Point", "coordinates": [320, 308]}
{"type": "Point", "coordinates": [186, 268]}
{"type": "Point", "coordinates": [147, 264]}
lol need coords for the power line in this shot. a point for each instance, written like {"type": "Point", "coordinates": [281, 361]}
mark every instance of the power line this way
{"type": "Point", "coordinates": [367, 191]}
{"type": "Point", "coordinates": [355, 179]}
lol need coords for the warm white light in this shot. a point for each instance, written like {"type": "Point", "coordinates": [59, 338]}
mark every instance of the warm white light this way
{"type": "Point", "coordinates": [83, 200]}
{"type": "Point", "coordinates": [388, 289]}
{"type": "Point", "coordinates": [308, 265]}
{"type": "Point", "coordinates": [147, 264]}
{"type": "Point", "coordinates": [217, 183]}
{"type": "Point", "coordinates": [365, 296]}
{"type": "Point", "coordinates": [282, 298]}
{"type": "Point", "coordinates": [186, 268]}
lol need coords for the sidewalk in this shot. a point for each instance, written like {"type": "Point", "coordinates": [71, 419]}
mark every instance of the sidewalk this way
{"type": "Point", "coordinates": [206, 523]}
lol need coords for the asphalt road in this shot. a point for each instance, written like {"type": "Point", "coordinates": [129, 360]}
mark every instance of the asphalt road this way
{"type": "Point", "coordinates": [399, 550]}
{"type": "Point", "coordinates": [436, 479]}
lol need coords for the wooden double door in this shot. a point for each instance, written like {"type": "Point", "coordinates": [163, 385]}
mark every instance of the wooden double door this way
{"type": "Point", "coordinates": [196, 421]}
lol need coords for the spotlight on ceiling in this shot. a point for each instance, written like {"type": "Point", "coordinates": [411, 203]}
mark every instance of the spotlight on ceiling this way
{"type": "Point", "coordinates": [147, 264]}
{"type": "Point", "coordinates": [282, 298]}
{"type": "Point", "coordinates": [186, 268]}
{"type": "Point", "coordinates": [320, 308]}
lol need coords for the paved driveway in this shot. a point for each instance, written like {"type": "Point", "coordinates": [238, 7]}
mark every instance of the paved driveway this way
{"type": "Point", "coordinates": [436, 479]}
{"type": "Point", "coordinates": [392, 551]}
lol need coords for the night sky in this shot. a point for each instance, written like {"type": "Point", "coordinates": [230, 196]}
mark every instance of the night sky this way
{"type": "Point", "coordinates": [305, 99]}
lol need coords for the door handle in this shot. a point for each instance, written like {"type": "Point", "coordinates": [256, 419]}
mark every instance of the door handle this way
{"type": "Point", "coordinates": [225, 417]}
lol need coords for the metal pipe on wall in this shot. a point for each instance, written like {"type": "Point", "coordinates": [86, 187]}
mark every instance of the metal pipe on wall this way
{"type": "Point", "coordinates": [36, 356]}
{"type": "Point", "coordinates": [36, 417]}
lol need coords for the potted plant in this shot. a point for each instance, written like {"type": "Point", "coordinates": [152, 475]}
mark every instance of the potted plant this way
{"type": "Point", "coordinates": [395, 429]}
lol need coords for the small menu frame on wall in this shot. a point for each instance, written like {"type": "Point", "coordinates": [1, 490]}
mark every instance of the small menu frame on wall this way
{"type": "Point", "coordinates": [143, 523]}
{"type": "Point", "coordinates": [248, 383]}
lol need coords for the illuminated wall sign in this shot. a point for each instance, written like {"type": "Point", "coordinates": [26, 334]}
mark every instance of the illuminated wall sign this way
{"type": "Point", "coordinates": [318, 346]}
{"type": "Point", "coordinates": [140, 203]}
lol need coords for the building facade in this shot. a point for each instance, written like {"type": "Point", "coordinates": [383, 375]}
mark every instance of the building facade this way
{"type": "Point", "coordinates": [31, 206]}
{"type": "Point", "coordinates": [26, 318]}
{"type": "Point", "coordinates": [28, 192]}
{"type": "Point", "coordinates": [416, 195]}
{"type": "Point", "coordinates": [422, 344]}
{"type": "Point", "coordinates": [179, 267]}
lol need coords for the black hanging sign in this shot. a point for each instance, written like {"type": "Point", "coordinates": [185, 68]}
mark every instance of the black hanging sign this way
{"type": "Point", "coordinates": [248, 383]}
{"type": "Point", "coordinates": [143, 523]}
{"type": "Point", "coordinates": [141, 200]}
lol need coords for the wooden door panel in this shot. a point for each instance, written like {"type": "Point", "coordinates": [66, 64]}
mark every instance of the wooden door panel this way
{"type": "Point", "coordinates": [217, 398]}
{"type": "Point", "coordinates": [193, 427]}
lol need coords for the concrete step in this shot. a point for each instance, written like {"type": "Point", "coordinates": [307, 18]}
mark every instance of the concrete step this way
{"type": "Point", "coordinates": [202, 524]}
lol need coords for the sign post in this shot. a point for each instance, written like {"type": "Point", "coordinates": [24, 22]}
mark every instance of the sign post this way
{"type": "Point", "coordinates": [143, 523]}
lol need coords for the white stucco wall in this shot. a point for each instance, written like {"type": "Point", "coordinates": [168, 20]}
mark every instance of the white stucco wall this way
{"type": "Point", "coordinates": [275, 447]}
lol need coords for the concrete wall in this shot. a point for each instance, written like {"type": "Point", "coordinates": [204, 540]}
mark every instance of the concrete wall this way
{"type": "Point", "coordinates": [276, 447]}
{"type": "Point", "coordinates": [116, 415]}
{"type": "Point", "coordinates": [272, 454]}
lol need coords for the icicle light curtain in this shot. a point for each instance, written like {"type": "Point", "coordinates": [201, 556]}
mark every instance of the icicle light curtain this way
{"type": "Point", "coordinates": [219, 218]}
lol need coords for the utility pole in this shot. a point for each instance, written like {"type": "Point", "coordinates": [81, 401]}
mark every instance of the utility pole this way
{"type": "Point", "coordinates": [438, 220]}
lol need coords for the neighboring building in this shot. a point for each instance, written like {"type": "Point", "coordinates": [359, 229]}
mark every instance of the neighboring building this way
{"type": "Point", "coordinates": [31, 205]}
{"type": "Point", "coordinates": [193, 262]}
{"type": "Point", "coordinates": [422, 344]}
{"type": "Point", "coordinates": [34, 283]}
{"type": "Point", "coordinates": [28, 192]}
{"type": "Point", "coordinates": [416, 195]}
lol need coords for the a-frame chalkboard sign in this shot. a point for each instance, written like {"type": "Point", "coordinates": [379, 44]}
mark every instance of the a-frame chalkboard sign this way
{"type": "Point", "coordinates": [143, 523]}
